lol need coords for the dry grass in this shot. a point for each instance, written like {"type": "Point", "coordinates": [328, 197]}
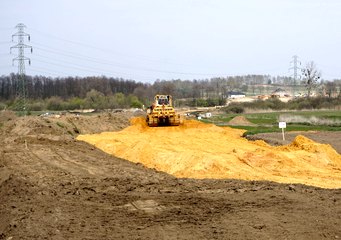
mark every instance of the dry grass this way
{"type": "Point", "coordinates": [289, 118]}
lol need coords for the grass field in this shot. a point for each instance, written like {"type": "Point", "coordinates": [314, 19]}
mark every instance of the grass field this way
{"type": "Point", "coordinates": [268, 121]}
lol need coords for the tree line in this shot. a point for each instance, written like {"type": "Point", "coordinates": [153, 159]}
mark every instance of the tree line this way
{"type": "Point", "coordinates": [40, 87]}
{"type": "Point", "coordinates": [104, 92]}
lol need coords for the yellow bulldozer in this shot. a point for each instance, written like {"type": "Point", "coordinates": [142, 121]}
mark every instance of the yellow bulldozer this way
{"type": "Point", "coordinates": [162, 112]}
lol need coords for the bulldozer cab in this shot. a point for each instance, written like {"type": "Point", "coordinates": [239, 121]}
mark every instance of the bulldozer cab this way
{"type": "Point", "coordinates": [163, 100]}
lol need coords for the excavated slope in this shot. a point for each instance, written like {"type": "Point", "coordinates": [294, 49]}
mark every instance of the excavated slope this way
{"type": "Point", "coordinates": [198, 150]}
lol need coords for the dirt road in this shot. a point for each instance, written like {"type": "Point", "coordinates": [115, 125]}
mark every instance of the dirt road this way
{"type": "Point", "coordinates": [54, 187]}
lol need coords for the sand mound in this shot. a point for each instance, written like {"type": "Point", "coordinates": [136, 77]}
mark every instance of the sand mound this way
{"type": "Point", "coordinates": [198, 150]}
{"type": "Point", "coordinates": [240, 121]}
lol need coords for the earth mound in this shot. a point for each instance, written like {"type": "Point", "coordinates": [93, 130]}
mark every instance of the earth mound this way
{"type": "Point", "coordinates": [6, 115]}
{"type": "Point", "coordinates": [198, 150]}
{"type": "Point", "coordinates": [58, 125]}
{"type": "Point", "coordinates": [240, 121]}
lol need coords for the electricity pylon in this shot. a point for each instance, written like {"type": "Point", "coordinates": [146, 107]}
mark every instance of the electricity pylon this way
{"type": "Point", "coordinates": [21, 87]}
{"type": "Point", "coordinates": [295, 67]}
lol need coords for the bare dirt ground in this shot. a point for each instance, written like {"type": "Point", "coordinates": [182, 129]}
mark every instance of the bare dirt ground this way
{"type": "Point", "coordinates": [276, 139]}
{"type": "Point", "coordinates": [54, 187]}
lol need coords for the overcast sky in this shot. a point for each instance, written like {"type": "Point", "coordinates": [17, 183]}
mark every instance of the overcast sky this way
{"type": "Point", "coordinates": [147, 40]}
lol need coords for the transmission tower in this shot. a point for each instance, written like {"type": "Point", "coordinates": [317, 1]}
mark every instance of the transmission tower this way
{"type": "Point", "coordinates": [295, 62]}
{"type": "Point", "coordinates": [21, 88]}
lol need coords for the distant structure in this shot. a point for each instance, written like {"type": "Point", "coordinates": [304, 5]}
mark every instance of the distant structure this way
{"type": "Point", "coordinates": [21, 88]}
{"type": "Point", "coordinates": [235, 95]}
{"type": "Point", "coordinates": [295, 62]}
{"type": "Point", "coordinates": [279, 92]}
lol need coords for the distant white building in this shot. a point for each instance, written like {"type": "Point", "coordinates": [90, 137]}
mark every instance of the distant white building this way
{"type": "Point", "coordinates": [208, 115]}
{"type": "Point", "coordinates": [234, 95]}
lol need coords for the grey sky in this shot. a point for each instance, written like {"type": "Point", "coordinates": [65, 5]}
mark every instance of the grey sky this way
{"type": "Point", "coordinates": [147, 40]}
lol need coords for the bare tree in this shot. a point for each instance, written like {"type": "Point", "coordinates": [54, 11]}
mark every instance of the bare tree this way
{"type": "Point", "coordinates": [311, 76]}
{"type": "Point", "coordinates": [331, 88]}
{"type": "Point", "coordinates": [338, 84]}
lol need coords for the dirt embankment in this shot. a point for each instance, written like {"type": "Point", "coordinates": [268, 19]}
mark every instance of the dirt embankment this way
{"type": "Point", "coordinates": [240, 121]}
{"type": "Point", "coordinates": [54, 187]}
{"type": "Point", "coordinates": [198, 150]}
{"type": "Point", "coordinates": [276, 139]}
{"type": "Point", "coordinates": [63, 125]}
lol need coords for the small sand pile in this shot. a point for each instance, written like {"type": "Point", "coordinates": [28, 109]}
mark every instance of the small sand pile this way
{"type": "Point", "coordinates": [198, 150]}
{"type": "Point", "coordinates": [240, 121]}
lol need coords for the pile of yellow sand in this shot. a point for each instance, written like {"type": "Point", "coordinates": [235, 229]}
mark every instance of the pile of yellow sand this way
{"type": "Point", "coordinates": [197, 150]}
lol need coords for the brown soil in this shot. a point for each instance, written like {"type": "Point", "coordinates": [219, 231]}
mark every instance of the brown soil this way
{"type": "Point", "coordinates": [276, 139]}
{"type": "Point", "coordinates": [240, 121]}
{"type": "Point", "coordinates": [54, 187]}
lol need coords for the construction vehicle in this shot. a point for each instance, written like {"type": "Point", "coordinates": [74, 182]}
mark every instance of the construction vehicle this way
{"type": "Point", "coordinates": [162, 112]}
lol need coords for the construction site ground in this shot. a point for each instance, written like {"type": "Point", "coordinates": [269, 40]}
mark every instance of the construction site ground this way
{"type": "Point", "coordinates": [53, 186]}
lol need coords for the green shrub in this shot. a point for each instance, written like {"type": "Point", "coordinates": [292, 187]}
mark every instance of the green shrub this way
{"type": "Point", "coordinates": [3, 106]}
{"type": "Point", "coordinates": [236, 109]}
{"type": "Point", "coordinates": [75, 103]}
{"type": "Point", "coordinates": [37, 106]}
{"type": "Point", "coordinates": [134, 102]}
{"type": "Point", "coordinates": [55, 103]}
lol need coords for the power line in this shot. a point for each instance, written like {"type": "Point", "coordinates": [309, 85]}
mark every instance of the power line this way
{"type": "Point", "coordinates": [147, 58]}
{"type": "Point", "coordinates": [97, 71]}
{"type": "Point", "coordinates": [115, 64]}
{"type": "Point", "coordinates": [95, 61]}
{"type": "Point", "coordinates": [74, 66]}
{"type": "Point", "coordinates": [101, 61]}
{"type": "Point", "coordinates": [80, 57]}
{"type": "Point", "coordinates": [110, 63]}
{"type": "Point", "coordinates": [49, 71]}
